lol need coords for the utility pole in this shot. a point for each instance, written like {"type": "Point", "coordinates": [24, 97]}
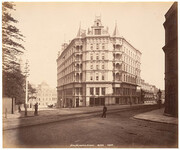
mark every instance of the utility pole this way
{"type": "Point", "coordinates": [26, 76]}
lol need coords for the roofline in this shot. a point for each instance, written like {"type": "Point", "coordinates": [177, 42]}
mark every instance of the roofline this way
{"type": "Point", "coordinates": [94, 37]}
{"type": "Point", "coordinates": [131, 45]}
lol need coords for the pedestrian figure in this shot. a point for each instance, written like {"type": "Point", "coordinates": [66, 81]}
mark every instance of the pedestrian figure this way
{"type": "Point", "coordinates": [19, 108]}
{"type": "Point", "coordinates": [159, 98]}
{"type": "Point", "coordinates": [36, 109]}
{"type": "Point", "coordinates": [104, 111]}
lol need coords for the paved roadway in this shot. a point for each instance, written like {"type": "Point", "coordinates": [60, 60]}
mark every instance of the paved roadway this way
{"type": "Point", "coordinates": [119, 129]}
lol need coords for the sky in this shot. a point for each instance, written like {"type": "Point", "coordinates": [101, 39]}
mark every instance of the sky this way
{"type": "Point", "coordinates": [47, 25]}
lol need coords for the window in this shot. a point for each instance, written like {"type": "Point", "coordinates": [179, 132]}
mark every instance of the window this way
{"type": "Point", "coordinates": [77, 91]}
{"type": "Point", "coordinates": [97, 31]}
{"type": "Point", "coordinates": [91, 78]}
{"type": "Point", "coordinates": [97, 46]}
{"type": "Point", "coordinates": [103, 91]}
{"type": "Point", "coordinates": [103, 46]}
{"type": "Point", "coordinates": [91, 56]}
{"type": "Point", "coordinates": [91, 91]}
{"type": "Point", "coordinates": [102, 66]}
{"type": "Point", "coordinates": [97, 67]}
{"type": "Point", "coordinates": [97, 77]}
{"type": "Point", "coordinates": [97, 91]}
{"type": "Point", "coordinates": [103, 56]}
{"type": "Point", "coordinates": [91, 46]}
{"type": "Point", "coordinates": [102, 77]}
{"type": "Point", "coordinates": [97, 56]}
{"type": "Point", "coordinates": [91, 66]}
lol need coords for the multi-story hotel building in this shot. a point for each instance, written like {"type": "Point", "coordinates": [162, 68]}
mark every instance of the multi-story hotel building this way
{"type": "Point", "coordinates": [96, 68]}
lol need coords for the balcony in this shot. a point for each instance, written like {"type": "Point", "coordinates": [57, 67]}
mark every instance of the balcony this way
{"type": "Point", "coordinates": [117, 46]}
{"type": "Point", "coordinates": [117, 66]}
{"type": "Point", "coordinates": [78, 77]}
{"type": "Point", "coordinates": [78, 67]}
{"type": "Point", "coordinates": [79, 48]}
{"type": "Point", "coordinates": [117, 77]}
{"type": "Point", "coordinates": [78, 57]}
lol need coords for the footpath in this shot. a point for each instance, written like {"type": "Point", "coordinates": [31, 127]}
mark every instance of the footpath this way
{"type": "Point", "coordinates": [157, 116]}
{"type": "Point", "coordinates": [18, 120]}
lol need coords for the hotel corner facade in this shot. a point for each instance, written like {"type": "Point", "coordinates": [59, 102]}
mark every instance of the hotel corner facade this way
{"type": "Point", "coordinates": [96, 68]}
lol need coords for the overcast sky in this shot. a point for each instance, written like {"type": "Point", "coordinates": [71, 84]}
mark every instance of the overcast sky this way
{"type": "Point", "coordinates": [47, 25]}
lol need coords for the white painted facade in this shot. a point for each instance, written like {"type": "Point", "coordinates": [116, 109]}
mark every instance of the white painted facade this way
{"type": "Point", "coordinates": [96, 69]}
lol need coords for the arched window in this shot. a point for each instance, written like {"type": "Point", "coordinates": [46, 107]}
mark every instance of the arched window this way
{"type": "Point", "coordinates": [103, 77]}
{"type": "Point", "coordinates": [97, 67]}
{"type": "Point", "coordinates": [97, 56]}
{"type": "Point", "coordinates": [91, 56]}
{"type": "Point", "coordinates": [91, 47]}
{"type": "Point", "coordinates": [103, 47]}
{"type": "Point", "coordinates": [97, 46]}
{"type": "Point", "coordinates": [91, 66]}
{"type": "Point", "coordinates": [103, 66]}
{"type": "Point", "coordinates": [117, 76]}
{"type": "Point", "coordinates": [91, 77]}
{"type": "Point", "coordinates": [103, 56]}
{"type": "Point", "coordinates": [97, 76]}
{"type": "Point", "coordinates": [77, 77]}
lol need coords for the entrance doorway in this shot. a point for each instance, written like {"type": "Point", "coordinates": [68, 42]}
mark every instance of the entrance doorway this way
{"type": "Point", "coordinates": [77, 102]}
{"type": "Point", "coordinates": [97, 101]}
{"type": "Point", "coordinates": [117, 100]}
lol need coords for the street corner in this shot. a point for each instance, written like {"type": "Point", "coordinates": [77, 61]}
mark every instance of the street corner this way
{"type": "Point", "coordinates": [157, 116]}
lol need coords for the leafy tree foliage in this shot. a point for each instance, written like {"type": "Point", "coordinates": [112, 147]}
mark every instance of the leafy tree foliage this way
{"type": "Point", "coordinates": [14, 86]}
{"type": "Point", "coordinates": [11, 36]}
{"type": "Point", "coordinates": [13, 79]}
{"type": "Point", "coordinates": [31, 91]}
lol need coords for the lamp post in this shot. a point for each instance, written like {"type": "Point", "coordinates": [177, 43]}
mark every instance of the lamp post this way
{"type": "Point", "coordinates": [26, 76]}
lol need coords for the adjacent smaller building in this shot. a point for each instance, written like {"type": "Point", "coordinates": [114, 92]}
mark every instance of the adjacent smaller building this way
{"type": "Point", "coordinates": [44, 96]}
{"type": "Point", "coordinates": [148, 91]}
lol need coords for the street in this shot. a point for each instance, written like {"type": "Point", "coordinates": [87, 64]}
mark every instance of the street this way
{"type": "Point", "coordinates": [119, 129]}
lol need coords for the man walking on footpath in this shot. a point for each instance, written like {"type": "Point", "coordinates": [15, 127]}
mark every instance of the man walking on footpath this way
{"type": "Point", "coordinates": [104, 111]}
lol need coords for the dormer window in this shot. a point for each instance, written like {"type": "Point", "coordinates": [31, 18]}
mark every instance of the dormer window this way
{"type": "Point", "coordinates": [97, 31]}
{"type": "Point", "coordinates": [97, 24]}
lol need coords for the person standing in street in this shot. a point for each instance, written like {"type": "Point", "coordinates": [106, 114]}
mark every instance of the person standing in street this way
{"type": "Point", "coordinates": [36, 109]}
{"type": "Point", "coordinates": [104, 112]}
{"type": "Point", "coordinates": [159, 98]}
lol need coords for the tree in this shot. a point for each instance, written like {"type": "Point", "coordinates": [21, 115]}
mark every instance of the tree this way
{"type": "Point", "coordinates": [11, 36]}
{"type": "Point", "coordinates": [14, 85]}
{"type": "Point", "coordinates": [13, 79]}
{"type": "Point", "coordinates": [31, 91]}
